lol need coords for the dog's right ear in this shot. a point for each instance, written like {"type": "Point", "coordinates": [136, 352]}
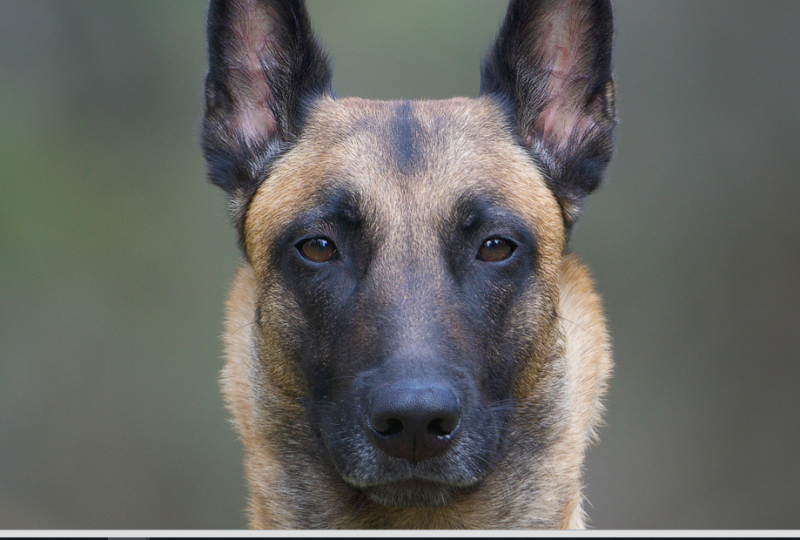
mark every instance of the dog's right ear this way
{"type": "Point", "coordinates": [265, 69]}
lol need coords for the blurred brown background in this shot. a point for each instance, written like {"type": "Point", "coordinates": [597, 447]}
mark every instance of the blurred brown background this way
{"type": "Point", "coordinates": [115, 256]}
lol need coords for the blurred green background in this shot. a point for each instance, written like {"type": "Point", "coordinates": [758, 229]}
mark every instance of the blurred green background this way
{"type": "Point", "coordinates": [115, 256]}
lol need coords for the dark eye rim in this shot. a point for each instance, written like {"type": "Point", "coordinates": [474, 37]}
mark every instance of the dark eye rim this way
{"type": "Point", "coordinates": [511, 244]}
{"type": "Point", "coordinates": [300, 243]}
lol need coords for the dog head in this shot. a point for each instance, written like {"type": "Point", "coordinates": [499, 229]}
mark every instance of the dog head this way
{"type": "Point", "coordinates": [406, 255]}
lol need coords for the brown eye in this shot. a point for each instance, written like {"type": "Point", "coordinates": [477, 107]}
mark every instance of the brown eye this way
{"type": "Point", "coordinates": [319, 250]}
{"type": "Point", "coordinates": [496, 250]}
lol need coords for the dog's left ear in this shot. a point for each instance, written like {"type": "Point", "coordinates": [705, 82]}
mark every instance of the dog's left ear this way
{"type": "Point", "coordinates": [551, 66]}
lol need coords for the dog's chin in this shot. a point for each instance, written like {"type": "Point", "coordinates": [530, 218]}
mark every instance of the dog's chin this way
{"type": "Point", "coordinates": [416, 493]}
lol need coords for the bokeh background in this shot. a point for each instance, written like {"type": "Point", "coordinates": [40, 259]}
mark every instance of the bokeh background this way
{"type": "Point", "coordinates": [115, 256]}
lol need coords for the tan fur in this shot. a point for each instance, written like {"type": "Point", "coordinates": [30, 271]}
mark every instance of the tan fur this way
{"type": "Point", "coordinates": [567, 369]}
{"type": "Point", "coordinates": [586, 365]}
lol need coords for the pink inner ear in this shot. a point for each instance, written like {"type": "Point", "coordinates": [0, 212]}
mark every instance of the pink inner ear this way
{"type": "Point", "coordinates": [561, 54]}
{"type": "Point", "coordinates": [251, 51]}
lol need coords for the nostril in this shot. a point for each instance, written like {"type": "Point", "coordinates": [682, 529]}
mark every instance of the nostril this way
{"type": "Point", "coordinates": [441, 427]}
{"type": "Point", "coordinates": [388, 427]}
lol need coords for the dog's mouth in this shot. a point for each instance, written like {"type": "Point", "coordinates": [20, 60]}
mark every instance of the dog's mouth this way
{"type": "Point", "coordinates": [427, 483]}
{"type": "Point", "coordinates": [430, 482]}
{"type": "Point", "coordinates": [416, 493]}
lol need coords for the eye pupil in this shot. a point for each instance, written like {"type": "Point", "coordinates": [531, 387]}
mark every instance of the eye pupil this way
{"type": "Point", "coordinates": [318, 250]}
{"type": "Point", "coordinates": [495, 250]}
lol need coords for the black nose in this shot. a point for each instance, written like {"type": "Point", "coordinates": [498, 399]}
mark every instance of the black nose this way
{"type": "Point", "coordinates": [413, 420]}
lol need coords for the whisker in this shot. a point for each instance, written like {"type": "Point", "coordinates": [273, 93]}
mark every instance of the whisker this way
{"type": "Point", "coordinates": [573, 322]}
{"type": "Point", "coordinates": [242, 327]}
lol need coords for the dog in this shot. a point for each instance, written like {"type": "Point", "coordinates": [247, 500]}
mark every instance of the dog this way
{"type": "Point", "coordinates": [410, 343]}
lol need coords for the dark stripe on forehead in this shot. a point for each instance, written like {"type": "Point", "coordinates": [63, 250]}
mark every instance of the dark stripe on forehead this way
{"type": "Point", "coordinates": [406, 140]}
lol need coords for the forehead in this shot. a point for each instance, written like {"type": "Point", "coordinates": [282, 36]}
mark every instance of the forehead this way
{"type": "Point", "coordinates": [412, 160]}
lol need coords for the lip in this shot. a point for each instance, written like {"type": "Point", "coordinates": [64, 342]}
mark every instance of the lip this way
{"type": "Point", "coordinates": [389, 474]}
{"type": "Point", "coordinates": [411, 493]}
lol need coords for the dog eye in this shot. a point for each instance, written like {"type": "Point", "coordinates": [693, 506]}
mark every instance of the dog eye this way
{"type": "Point", "coordinates": [496, 250]}
{"type": "Point", "coordinates": [318, 250]}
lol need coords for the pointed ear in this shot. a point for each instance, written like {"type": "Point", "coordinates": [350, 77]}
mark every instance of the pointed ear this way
{"type": "Point", "coordinates": [551, 67]}
{"type": "Point", "coordinates": [265, 70]}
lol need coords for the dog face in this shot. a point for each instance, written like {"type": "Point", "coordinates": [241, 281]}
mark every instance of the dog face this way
{"type": "Point", "coordinates": [417, 280]}
{"type": "Point", "coordinates": [406, 256]}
